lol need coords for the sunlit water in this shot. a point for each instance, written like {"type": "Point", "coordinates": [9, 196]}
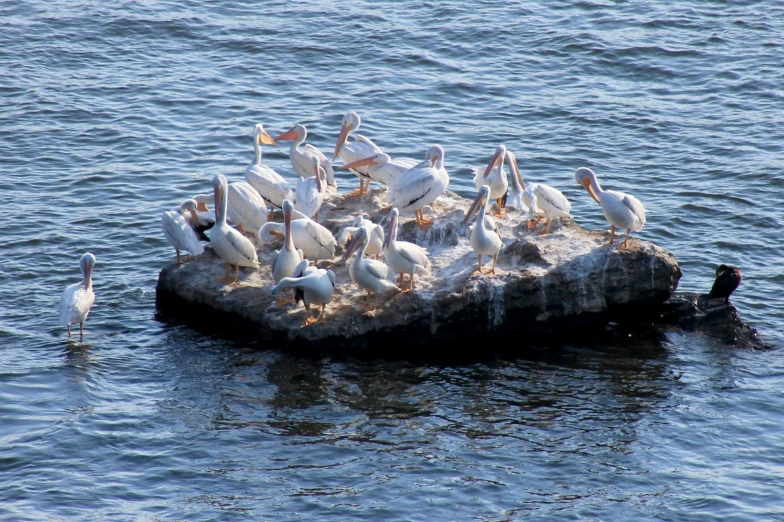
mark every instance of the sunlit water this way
{"type": "Point", "coordinates": [114, 112]}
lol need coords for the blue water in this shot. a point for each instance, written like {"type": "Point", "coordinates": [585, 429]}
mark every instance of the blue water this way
{"type": "Point", "coordinates": [113, 112]}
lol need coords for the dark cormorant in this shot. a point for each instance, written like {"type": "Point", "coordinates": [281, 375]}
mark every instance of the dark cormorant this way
{"type": "Point", "coordinates": [728, 278]}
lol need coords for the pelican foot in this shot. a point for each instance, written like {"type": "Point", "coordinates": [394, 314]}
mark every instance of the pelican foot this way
{"type": "Point", "coordinates": [542, 233]}
{"type": "Point", "coordinates": [491, 272]}
{"type": "Point", "coordinates": [609, 243]}
{"type": "Point", "coordinates": [425, 225]}
{"type": "Point", "coordinates": [309, 321]}
{"type": "Point", "coordinates": [356, 192]}
{"type": "Point", "coordinates": [501, 214]}
{"type": "Point", "coordinates": [478, 271]}
{"type": "Point", "coordinates": [624, 245]}
{"type": "Point", "coordinates": [228, 280]}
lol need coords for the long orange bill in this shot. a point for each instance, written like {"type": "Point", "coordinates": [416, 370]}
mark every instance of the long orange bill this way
{"type": "Point", "coordinates": [360, 163]}
{"type": "Point", "coordinates": [492, 164]}
{"type": "Point", "coordinates": [290, 134]}
{"type": "Point", "coordinates": [266, 139]}
{"type": "Point", "coordinates": [344, 130]}
{"type": "Point", "coordinates": [589, 188]}
{"type": "Point", "coordinates": [478, 202]}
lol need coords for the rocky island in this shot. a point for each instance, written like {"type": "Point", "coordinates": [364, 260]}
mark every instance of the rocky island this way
{"type": "Point", "coordinates": [546, 286]}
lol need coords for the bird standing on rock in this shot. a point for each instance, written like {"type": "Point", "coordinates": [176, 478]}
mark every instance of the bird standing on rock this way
{"type": "Point", "coordinates": [728, 278]}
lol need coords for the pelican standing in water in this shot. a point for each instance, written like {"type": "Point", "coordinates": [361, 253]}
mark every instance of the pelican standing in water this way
{"type": "Point", "coordinates": [315, 241]}
{"type": "Point", "coordinates": [381, 167]}
{"type": "Point", "coordinates": [302, 160]}
{"type": "Point", "coordinates": [542, 200]}
{"type": "Point", "coordinates": [404, 257]}
{"type": "Point", "coordinates": [375, 240]}
{"type": "Point", "coordinates": [285, 260]}
{"type": "Point", "coordinates": [233, 247]}
{"type": "Point", "coordinates": [312, 286]}
{"type": "Point", "coordinates": [78, 298]}
{"type": "Point", "coordinates": [179, 230]}
{"type": "Point", "coordinates": [420, 186]}
{"type": "Point", "coordinates": [494, 177]}
{"type": "Point", "coordinates": [370, 275]}
{"type": "Point", "coordinates": [483, 235]}
{"type": "Point", "coordinates": [351, 151]}
{"type": "Point", "coordinates": [622, 210]}
{"type": "Point", "coordinates": [310, 191]}
{"type": "Point", "coordinates": [270, 185]}
{"type": "Point", "coordinates": [246, 208]}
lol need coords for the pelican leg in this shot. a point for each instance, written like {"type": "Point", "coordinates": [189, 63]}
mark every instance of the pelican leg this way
{"type": "Point", "coordinates": [499, 209]}
{"type": "Point", "coordinates": [81, 330]}
{"type": "Point", "coordinates": [533, 224]}
{"type": "Point", "coordinates": [375, 303]}
{"type": "Point", "coordinates": [546, 230]}
{"type": "Point", "coordinates": [612, 236]}
{"type": "Point", "coordinates": [307, 315]}
{"type": "Point", "coordinates": [492, 270]}
{"type": "Point", "coordinates": [423, 223]}
{"type": "Point", "coordinates": [411, 282]}
{"type": "Point", "coordinates": [236, 274]}
{"type": "Point", "coordinates": [69, 330]}
{"type": "Point", "coordinates": [479, 268]}
{"type": "Point", "coordinates": [625, 241]}
{"type": "Point", "coordinates": [322, 319]}
{"type": "Point", "coordinates": [271, 215]}
{"type": "Point", "coordinates": [242, 230]}
{"type": "Point", "coordinates": [400, 281]}
{"type": "Point", "coordinates": [359, 191]}
{"type": "Point", "coordinates": [179, 261]}
{"type": "Point", "coordinates": [227, 278]}
{"type": "Point", "coordinates": [315, 216]}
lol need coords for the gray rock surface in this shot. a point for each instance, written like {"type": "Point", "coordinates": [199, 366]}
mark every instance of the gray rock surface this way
{"type": "Point", "coordinates": [544, 284]}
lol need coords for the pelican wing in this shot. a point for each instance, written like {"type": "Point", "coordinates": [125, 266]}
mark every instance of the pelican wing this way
{"type": "Point", "coordinates": [270, 185]}
{"type": "Point", "coordinates": [246, 207]}
{"type": "Point", "coordinates": [368, 143]}
{"type": "Point", "coordinates": [378, 269]}
{"type": "Point", "coordinates": [412, 186]}
{"type": "Point", "coordinates": [554, 198]}
{"type": "Point", "coordinates": [415, 254]}
{"type": "Point", "coordinates": [242, 245]}
{"type": "Point", "coordinates": [179, 233]}
{"type": "Point", "coordinates": [637, 209]}
{"type": "Point", "coordinates": [322, 236]}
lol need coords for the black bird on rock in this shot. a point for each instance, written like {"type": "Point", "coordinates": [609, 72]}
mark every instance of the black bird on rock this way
{"type": "Point", "coordinates": [728, 278]}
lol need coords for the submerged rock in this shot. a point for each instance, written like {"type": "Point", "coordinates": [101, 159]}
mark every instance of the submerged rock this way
{"type": "Point", "coordinates": [544, 285]}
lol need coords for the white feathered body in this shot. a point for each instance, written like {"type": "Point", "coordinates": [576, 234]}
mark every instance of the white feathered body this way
{"type": "Point", "coordinates": [622, 210]}
{"type": "Point", "coordinates": [315, 241]}
{"type": "Point", "coordinates": [179, 233]}
{"type": "Point", "coordinates": [270, 185]}
{"type": "Point", "coordinates": [246, 208]}
{"type": "Point", "coordinates": [309, 197]}
{"type": "Point", "coordinates": [546, 200]}
{"type": "Point", "coordinates": [376, 239]}
{"type": "Point", "coordinates": [315, 287]}
{"type": "Point", "coordinates": [75, 304]}
{"type": "Point", "coordinates": [418, 187]}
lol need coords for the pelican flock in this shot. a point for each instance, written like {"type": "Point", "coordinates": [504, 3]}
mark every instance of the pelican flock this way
{"type": "Point", "coordinates": [247, 207]}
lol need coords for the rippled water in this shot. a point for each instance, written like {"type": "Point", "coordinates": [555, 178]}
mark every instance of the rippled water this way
{"type": "Point", "coordinates": [113, 112]}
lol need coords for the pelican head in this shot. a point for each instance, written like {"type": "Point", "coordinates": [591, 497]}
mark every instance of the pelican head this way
{"type": "Point", "coordinates": [391, 227]}
{"type": "Point", "coordinates": [297, 132]}
{"type": "Point", "coordinates": [479, 202]}
{"type": "Point", "coordinates": [261, 137]}
{"type": "Point", "coordinates": [587, 179]}
{"type": "Point", "coordinates": [219, 187]}
{"type": "Point", "coordinates": [511, 160]}
{"type": "Point", "coordinates": [498, 157]}
{"type": "Point", "coordinates": [350, 123]}
{"type": "Point", "coordinates": [86, 264]}
{"type": "Point", "coordinates": [435, 155]}
{"type": "Point", "coordinates": [190, 206]}
{"type": "Point", "coordinates": [359, 239]}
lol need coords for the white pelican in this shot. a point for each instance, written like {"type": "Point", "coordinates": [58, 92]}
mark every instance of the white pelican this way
{"type": "Point", "coordinates": [495, 177]}
{"type": "Point", "coordinates": [372, 276]}
{"type": "Point", "coordinates": [376, 239]}
{"type": "Point", "coordinates": [269, 184]}
{"type": "Point", "coordinates": [233, 247]}
{"type": "Point", "coordinates": [381, 167]}
{"type": "Point", "coordinates": [78, 298]}
{"type": "Point", "coordinates": [514, 194]}
{"type": "Point", "coordinates": [351, 151]}
{"type": "Point", "coordinates": [310, 191]}
{"type": "Point", "coordinates": [205, 216]}
{"type": "Point", "coordinates": [483, 235]}
{"type": "Point", "coordinates": [302, 160]}
{"type": "Point", "coordinates": [420, 186]}
{"type": "Point", "coordinates": [312, 286]}
{"type": "Point", "coordinates": [404, 257]}
{"type": "Point", "coordinates": [179, 230]}
{"type": "Point", "coordinates": [622, 210]}
{"type": "Point", "coordinates": [285, 260]}
{"type": "Point", "coordinates": [542, 200]}
{"type": "Point", "coordinates": [246, 208]}
{"type": "Point", "coordinates": [315, 241]}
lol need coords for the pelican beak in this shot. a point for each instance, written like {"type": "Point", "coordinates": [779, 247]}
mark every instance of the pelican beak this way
{"type": "Point", "coordinates": [290, 134]}
{"type": "Point", "coordinates": [351, 247]}
{"type": "Point", "coordinates": [589, 188]}
{"type": "Point", "coordinates": [202, 207]}
{"type": "Point", "coordinates": [360, 163]}
{"type": "Point", "coordinates": [516, 172]}
{"type": "Point", "coordinates": [194, 216]}
{"type": "Point", "coordinates": [390, 227]}
{"type": "Point", "coordinates": [266, 139]}
{"type": "Point", "coordinates": [478, 202]}
{"type": "Point", "coordinates": [344, 131]}
{"type": "Point", "coordinates": [492, 164]}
